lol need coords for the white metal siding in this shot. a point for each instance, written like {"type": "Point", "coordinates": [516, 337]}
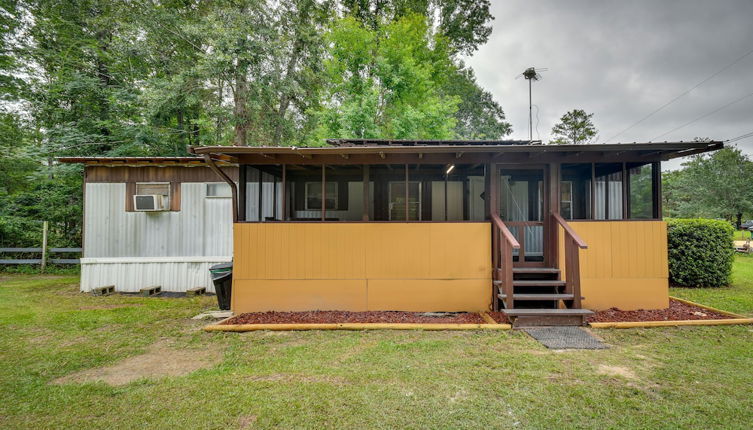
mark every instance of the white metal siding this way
{"type": "Point", "coordinates": [133, 250]}
{"type": "Point", "coordinates": [133, 274]}
{"type": "Point", "coordinates": [202, 227]}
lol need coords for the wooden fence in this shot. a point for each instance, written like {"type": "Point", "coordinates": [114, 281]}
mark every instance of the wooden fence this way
{"type": "Point", "coordinates": [40, 256]}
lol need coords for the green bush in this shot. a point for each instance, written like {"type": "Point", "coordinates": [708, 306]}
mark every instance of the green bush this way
{"type": "Point", "coordinates": [700, 252]}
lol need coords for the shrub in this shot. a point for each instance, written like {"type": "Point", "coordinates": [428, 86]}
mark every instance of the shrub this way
{"type": "Point", "coordinates": [700, 252]}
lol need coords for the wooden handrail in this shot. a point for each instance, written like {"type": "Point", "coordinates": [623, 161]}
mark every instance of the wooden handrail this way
{"type": "Point", "coordinates": [569, 230]}
{"type": "Point", "coordinates": [505, 231]}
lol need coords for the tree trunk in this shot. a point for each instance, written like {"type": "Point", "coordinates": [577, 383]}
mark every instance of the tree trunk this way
{"type": "Point", "coordinates": [739, 220]}
{"type": "Point", "coordinates": [240, 107]}
{"type": "Point", "coordinates": [286, 97]}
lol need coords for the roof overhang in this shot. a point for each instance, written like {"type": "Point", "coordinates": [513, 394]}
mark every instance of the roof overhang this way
{"type": "Point", "coordinates": [442, 151]}
{"type": "Point", "coordinates": [135, 161]}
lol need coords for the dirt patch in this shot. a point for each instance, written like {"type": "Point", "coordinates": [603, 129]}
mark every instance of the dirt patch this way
{"type": "Point", "coordinates": [499, 317]}
{"type": "Point", "coordinates": [677, 311]}
{"type": "Point", "coordinates": [616, 371]}
{"type": "Point", "coordinates": [159, 361]}
{"type": "Point", "coordinates": [113, 306]}
{"type": "Point", "coordinates": [246, 421]}
{"type": "Point", "coordinates": [320, 317]}
{"type": "Point", "coordinates": [287, 377]}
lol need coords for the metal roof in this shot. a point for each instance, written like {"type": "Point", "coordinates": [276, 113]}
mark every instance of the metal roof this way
{"type": "Point", "coordinates": [408, 142]}
{"type": "Point", "coordinates": [667, 150]}
{"type": "Point", "coordinates": [228, 154]}
{"type": "Point", "coordinates": [125, 161]}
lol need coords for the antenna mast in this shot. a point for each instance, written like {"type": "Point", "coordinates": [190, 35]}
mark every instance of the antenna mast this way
{"type": "Point", "coordinates": [531, 75]}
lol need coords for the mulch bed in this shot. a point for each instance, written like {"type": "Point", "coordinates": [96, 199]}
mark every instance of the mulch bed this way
{"type": "Point", "coordinates": [499, 317]}
{"type": "Point", "coordinates": [677, 311]}
{"type": "Point", "coordinates": [334, 317]}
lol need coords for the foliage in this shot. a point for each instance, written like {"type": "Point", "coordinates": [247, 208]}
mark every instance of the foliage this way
{"type": "Point", "coordinates": [464, 24]}
{"type": "Point", "coordinates": [700, 252]}
{"type": "Point", "coordinates": [478, 115]}
{"type": "Point", "coordinates": [575, 127]}
{"type": "Point", "coordinates": [144, 78]}
{"type": "Point", "coordinates": [716, 185]}
{"type": "Point", "coordinates": [384, 83]}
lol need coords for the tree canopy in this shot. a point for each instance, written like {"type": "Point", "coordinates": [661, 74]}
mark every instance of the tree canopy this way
{"type": "Point", "coordinates": [141, 77]}
{"type": "Point", "coordinates": [575, 127]}
{"type": "Point", "coordinates": [716, 185]}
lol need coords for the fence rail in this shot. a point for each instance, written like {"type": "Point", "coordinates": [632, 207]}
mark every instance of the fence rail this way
{"type": "Point", "coordinates": [41, 260]}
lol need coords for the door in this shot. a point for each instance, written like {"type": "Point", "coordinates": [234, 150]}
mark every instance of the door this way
{"type": "Point", "coordinates": [522, 205]}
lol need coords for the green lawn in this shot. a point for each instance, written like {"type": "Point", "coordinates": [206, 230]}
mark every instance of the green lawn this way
{"type": "Point", "coordinates": [690, 377]}
{"type": "Point", "coordinates": [741, 235]}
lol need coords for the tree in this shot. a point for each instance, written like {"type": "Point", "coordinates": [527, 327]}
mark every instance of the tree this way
{"type": "Point", "coordinates": [711, 186]}
{"type": "Point", "coordinates": [575, 127]}
{"type": "Point", "coordinates": [464, 24]}
{"type": "Point", "coordinates": [386, 83]}
{"type": "Point", "coordinates": [478, 116]}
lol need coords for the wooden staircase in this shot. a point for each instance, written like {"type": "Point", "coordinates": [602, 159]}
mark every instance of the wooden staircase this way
{"type": "Point", "coordinates": [537, 296]}
{"type": "Point", "coordinates": [540, 298]}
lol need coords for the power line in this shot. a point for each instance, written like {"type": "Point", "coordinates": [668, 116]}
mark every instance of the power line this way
{"type": "Point", "coordinates": [704, 116]}
{"type": "Point", "coordinates": [740, 137]}
{"type": "Point", "coordinates": [723, 69]}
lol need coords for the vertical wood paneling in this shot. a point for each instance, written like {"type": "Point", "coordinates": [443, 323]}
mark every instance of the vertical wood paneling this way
{"type": "Point", "coordinates": [623, 249]}
{"type": "Point", "coordinates": [362, 251]}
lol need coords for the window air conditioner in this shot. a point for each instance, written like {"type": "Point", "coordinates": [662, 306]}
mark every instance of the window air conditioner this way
{"type": "Point", "coordinates": [149, 203]}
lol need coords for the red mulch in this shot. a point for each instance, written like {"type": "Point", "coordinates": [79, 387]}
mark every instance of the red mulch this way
{"type": "Point", "coordinates": [677, 311]}
{"type": "Point", "coordinates": [499, 317]}
{"type": "Point", "coordinates": [320, 317]}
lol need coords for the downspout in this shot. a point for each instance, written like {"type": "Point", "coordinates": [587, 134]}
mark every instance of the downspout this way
{"type": "Point", "coordinates": [226, 178]}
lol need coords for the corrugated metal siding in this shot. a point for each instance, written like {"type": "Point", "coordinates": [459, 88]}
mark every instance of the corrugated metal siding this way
{"type": "Point", "coordinates": [130, 276]}
{"type": "Point", "coordinates": [203, 226]}
{"type": "Point", "coordinates": [117, 243]}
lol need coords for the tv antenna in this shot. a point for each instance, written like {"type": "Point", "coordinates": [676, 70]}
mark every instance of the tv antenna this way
{"type": "Point", "coordinates": [531, 74]}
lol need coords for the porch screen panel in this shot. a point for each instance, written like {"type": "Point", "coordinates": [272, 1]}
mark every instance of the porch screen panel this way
{"type": "Point", "coordinates": [608, 191]}
{"type": "Point", "coordinates": [263, 193]}
{"type": "Point", "coordinates": [640, 191]}
{"type": "Point", "coordinates": [575, 191]}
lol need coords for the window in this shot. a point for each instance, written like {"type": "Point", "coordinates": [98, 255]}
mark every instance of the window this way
{"type": "Point", "coordinates": [397, 201]}
{"type": "Point", "coordinates": [608, 191]}
{"type": "Point", "coordinates": [640, 191]}
{"type": "Point", "coordinates": [158, 189]}
{"type": "Point", "coordinates": [566, 199]}
{"type": "Point", "coordinates": [575, 191]}
{"type": "Point", "coordinates": [218, 189]}
{"type": "Point", "coordinates": [314, 195]}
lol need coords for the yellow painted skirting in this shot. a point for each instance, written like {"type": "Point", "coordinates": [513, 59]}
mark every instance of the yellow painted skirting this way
{"type": "Point", "coordinates": [355, 326]}
{"type": "Point", "coordinates": [638, 324]}
{"type": "Point", "coordinates": [708, 308]}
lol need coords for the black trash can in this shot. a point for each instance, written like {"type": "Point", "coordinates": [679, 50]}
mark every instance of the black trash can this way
{"type": "Point", "coordinates": [222, 277]}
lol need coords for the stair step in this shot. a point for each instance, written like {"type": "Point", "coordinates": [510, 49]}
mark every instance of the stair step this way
{"type": "Point", "coordinates": [537, 283]}
{"type": "Point", "coordinates": [538, 296]}
{"type": "Point", "coordinates": [535, 270]}
{"type": "Point", "coordinates": [546, 312]}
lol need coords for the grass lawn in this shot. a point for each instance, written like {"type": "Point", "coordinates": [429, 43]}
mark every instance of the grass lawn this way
{"type": "Point", "coordinates": [741, 235]}
{"type": "Point", "coordinates": [690, 377]}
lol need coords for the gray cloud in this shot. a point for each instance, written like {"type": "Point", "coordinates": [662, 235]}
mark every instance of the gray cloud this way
{"type": "Point", "coordinates": [622, 60]}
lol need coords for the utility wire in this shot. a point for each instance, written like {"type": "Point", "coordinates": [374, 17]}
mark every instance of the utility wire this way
{"type": "Point", "coordinates": [740, 137]}
{"type": "Point", "coordinates": [704, 115]}
{"type": "Point", "coordinates": [723, 69]}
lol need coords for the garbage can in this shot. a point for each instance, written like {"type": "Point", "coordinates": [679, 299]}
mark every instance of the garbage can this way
{"type": "Point", "coordinates": [222, 277]}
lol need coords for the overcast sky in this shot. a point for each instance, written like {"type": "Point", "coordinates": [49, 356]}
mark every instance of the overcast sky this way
{"type": "Point", "coordinates": [621, 60]}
